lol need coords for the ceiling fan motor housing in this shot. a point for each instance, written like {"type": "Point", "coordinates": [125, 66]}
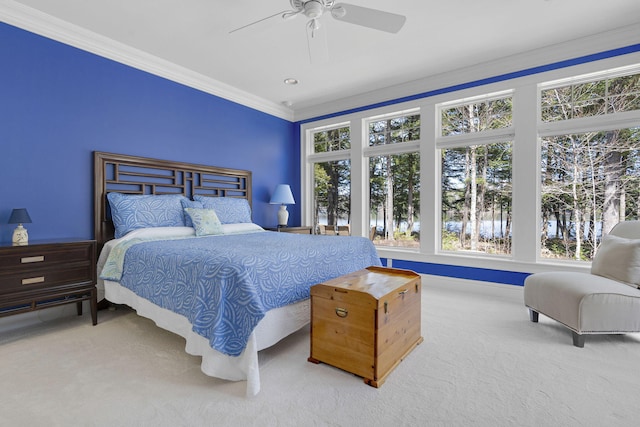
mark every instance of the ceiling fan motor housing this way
{"type": "Point", "coordinates": [313, 9]}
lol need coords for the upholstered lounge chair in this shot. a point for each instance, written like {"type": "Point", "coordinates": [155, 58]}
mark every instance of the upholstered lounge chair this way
{"type": "Point", "coordinates": [605, 301]}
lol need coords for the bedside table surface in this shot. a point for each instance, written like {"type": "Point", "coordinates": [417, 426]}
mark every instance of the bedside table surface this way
{"type": "Point", "coordinates": [298, 230]}
{"type": "Point", "coordinates": [44, 242]}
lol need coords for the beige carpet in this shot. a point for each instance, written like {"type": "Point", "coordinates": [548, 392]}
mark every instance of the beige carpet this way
{"type": "Point", "coordinates": [482, 363]}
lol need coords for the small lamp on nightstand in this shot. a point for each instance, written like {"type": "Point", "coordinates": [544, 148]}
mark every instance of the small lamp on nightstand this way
{"type": "Point", "coordinates": [20, 235]}
{"type": "Point", "coordinates": [283, 197]}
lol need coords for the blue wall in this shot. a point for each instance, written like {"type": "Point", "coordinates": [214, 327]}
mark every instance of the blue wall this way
{"type": "Point", "coordinates": [58, 104]}
{"type": "Point", "coordinates": [462, 272]}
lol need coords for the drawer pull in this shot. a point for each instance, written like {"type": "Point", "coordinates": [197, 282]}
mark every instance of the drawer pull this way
{"type": "Point", "coordinates": [342, 312]}
{"type": "Point", "coordinates": [28, 259]}
{"type": "Point", "coordinates": [32, 280]}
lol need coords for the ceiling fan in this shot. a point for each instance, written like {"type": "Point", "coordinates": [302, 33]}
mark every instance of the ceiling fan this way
{"type": "Point", "coordinates": [315, 9]}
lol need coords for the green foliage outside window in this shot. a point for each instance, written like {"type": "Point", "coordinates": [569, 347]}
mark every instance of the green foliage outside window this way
{"type": "Point", "coordinates": [591, 180]}
{"type": "Point", "coordinates": [476, 179]}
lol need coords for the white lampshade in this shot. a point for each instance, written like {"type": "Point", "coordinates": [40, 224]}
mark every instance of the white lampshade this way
{"type": "Point", "coordinates": [282, 196]}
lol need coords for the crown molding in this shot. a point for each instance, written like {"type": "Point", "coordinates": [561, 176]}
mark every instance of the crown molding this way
{"type": "Point", "coordinates": [40, 23]}
{"type": "Point", "coordinates": [621, 37]}
{"type": "Point", "coordinates": [32, 20]}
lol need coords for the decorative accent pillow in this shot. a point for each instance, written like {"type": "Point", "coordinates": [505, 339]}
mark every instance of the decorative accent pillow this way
{"type": "Point", "coordinates": [205, 221]}
{"type": "Point", "coordinates": [131, 211]}
{"type": "Point", "coordinates": [618, 258]}
{"type": "Point", "coordinates": [186, 203]}
{"type": "Point", "coordinates": [230, 210]}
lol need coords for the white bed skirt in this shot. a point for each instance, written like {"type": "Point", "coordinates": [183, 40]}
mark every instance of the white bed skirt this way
{"type": "Point", "coordinates": [276, 325]}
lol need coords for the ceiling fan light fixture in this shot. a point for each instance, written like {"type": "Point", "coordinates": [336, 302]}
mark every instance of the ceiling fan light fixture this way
{"type": "Point", "coordinates": [313, 9]}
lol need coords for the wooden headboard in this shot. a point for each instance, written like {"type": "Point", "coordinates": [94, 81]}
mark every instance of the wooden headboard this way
{"type": "Point", "coordinates": [142, 175]}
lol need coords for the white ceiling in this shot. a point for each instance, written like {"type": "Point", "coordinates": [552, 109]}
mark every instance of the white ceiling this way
{"type": "Point", "coordinates": [189, 41]}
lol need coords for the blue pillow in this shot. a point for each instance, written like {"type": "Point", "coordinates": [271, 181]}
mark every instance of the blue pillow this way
{"type": "Point", "coordinates": [131, 212]}
{"type": "Point", "coordinates": [186, 203]}
{"type": "Point", "coordinates": [230, 210]}
{"type": "Point", "coordinates": [205, 221]}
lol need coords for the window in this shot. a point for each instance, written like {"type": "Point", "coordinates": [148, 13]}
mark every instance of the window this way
{"type": "Point", "coordinates": [331, 140]}
{"type": "Point", "coordinates": [332, 193]}
{"type": "Point", "coordinates": [394, 130]}
{"type": "Point", "coordinates": [594, 98]}
{"type": "Point", "coordinates": [394, 194]}
{"type": "Point", "coordinates": [476, 176]}
{"type": "Point", "coordinates": [589, 179]}
{"type": "Point", "coordinates": [534, 172]}
{"type": "Point", "coordinates": [476, 198]}
{"type": "Point", "coordinates": [331, 176]}
{"type": "Point", "coordinates": [479, 116]}
{"type": "Point", "coordinates": [394, 180]}
{"type": "Point", "coordinates": [590, 182]}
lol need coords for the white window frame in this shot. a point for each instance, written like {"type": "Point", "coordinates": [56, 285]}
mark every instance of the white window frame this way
{"type": "Point", "coordinates": [388, 149]}
{"type": "Point", "coordinates": [486, 137]}
{"type": "Point", "coordinates": [526, 131]}
{"type": "Point", "coordinates": [599, 123]}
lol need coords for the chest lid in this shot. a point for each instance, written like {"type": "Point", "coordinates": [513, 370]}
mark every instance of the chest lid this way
{"type": "Point", "coordinates": [369, 286]}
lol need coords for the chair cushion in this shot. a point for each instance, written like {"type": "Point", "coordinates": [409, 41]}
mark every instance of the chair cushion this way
{"type": "Point", "coordinates": [618, 258]}
{"type": "Point", "coordinates": [586, 303]}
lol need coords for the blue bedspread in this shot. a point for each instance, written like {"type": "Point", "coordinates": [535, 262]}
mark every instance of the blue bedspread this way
{"type": "Point", "coordinates": [225, 284]}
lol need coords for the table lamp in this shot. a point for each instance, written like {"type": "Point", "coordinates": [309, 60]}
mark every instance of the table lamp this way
{"type": "Point", "coordinates": [20, 216]}
{"type": "Point", "coordinates": [283, 197]}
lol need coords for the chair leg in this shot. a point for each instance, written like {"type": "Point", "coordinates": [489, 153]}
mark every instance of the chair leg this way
{"type": "Point", "coordinates": [578, 340]}
{"type": "Point", "coordinates": [533, 315]}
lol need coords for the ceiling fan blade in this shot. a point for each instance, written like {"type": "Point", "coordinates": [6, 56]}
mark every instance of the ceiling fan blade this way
{"type": "Point", "coordinates": [317, 43]}
{"type": "Point", "coordinates": [286, 14]}
{"type": "Point", "coordinates": [366, 17]}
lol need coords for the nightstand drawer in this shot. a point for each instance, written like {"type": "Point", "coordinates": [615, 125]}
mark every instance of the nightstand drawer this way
{"type": "Point", "coordinates": [29, 258]}
{"type": "Point", "coordinates": [43, 277]}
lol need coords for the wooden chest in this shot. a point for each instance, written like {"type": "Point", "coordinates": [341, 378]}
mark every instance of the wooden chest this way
{"type": "Point", "coordinates": [366, 322]}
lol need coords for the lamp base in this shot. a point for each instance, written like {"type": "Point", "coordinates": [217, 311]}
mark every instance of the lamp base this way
{"type": "Point", "coordinates": [20, 236]}
{"type": "Point", "coordinates": [283, 216]}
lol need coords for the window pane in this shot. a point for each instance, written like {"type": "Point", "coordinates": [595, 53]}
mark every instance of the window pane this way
{"type": "Point", "coordinates": [395, 130]}
{"type": "Point", "coordinates": [606, 96]}
{"type": "Point", "coordinates": [332, 193]}
{"type": "Point", "coordinates": [394, 185]}
{"type": "Point", "coordinates": [590, 182]}
{"type": "Point", "coordinates": [332, 140]}
{"type": "Point", "coordinates": [476, 198]}
{"type": "Point", "coordinates": [477, 117]}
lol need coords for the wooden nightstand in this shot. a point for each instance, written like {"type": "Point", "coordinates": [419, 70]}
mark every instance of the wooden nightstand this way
{"type": "Point", "coordinates": [47, 274]}
{"type": "Point", "coordinates": [297, 230]}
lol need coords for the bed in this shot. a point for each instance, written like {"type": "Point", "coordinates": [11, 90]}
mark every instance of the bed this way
{"type": "Point", "coordinates": [177, 244]}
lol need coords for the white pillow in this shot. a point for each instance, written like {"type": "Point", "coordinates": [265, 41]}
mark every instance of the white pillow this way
{"type": "Point", "coordinates": [241, 227]}
{"type": "Point", "coordinates": [158, 233]}
{"type": "Point", "coordinates": [618, 258]}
